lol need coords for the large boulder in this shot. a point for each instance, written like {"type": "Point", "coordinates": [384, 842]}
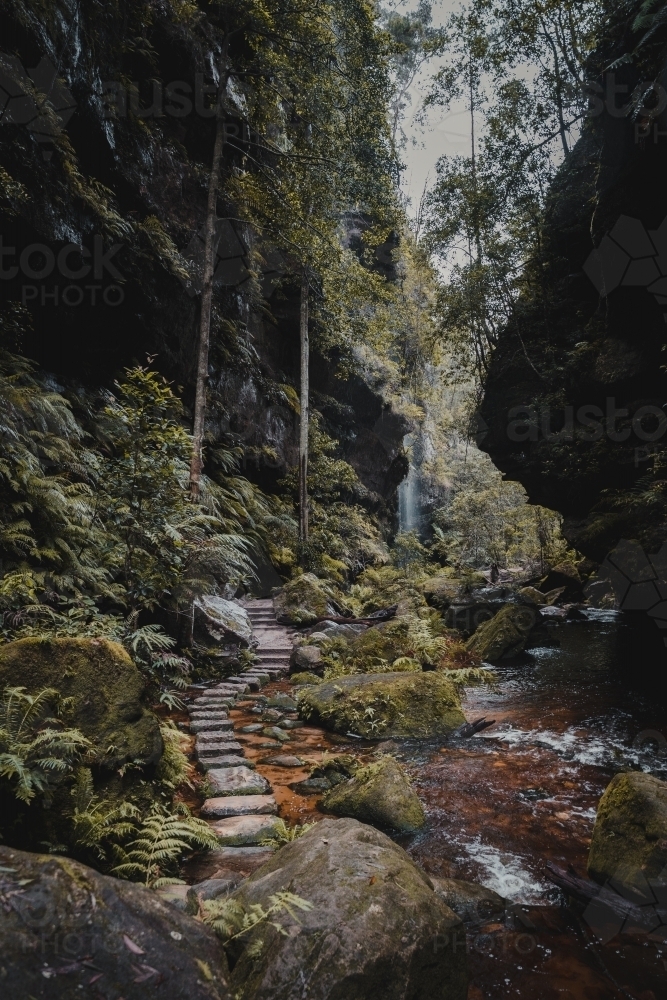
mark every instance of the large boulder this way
{"type": "Point", "coordinates": [505, 635]}
{"type": "Point", "coordinates": [303, 600]}
{"type": "Point", "coordinates": [219, 621]}
{"type": "Point", "coordinates": [68, 932]}
{"type": "Point", "coordinates": [380, 794]}
{"type": "Point", "coordinates": [105, 687]}
{"type": "Point", "coordinates": [385, 705]}
{"type": "Point", "coordinates": [376, 928]}
{"type": "Point", "coordinates": [630, 834]}
{"type": "Point", "coordinates": [472, 902]}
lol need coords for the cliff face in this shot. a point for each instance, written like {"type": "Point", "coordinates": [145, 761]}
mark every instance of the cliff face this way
{"type": "Point", "coordinates": [575, 395]}
{"type": "Point", "coordinates": [105, 142]}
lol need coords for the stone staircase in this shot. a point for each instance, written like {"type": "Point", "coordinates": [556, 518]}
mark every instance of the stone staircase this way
{"type": "Point", "coordinates": [241, 809]}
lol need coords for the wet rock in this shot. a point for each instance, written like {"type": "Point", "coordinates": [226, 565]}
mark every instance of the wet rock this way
{"type": "Point", "coordinates": [379, 794]}
{"type": "Point", "coordinates": [282, 701]}
{"type": "Point", "coordinates": [283, 760]}
{"type": "Point", "coordinates": [238, 805]}
{"type": "Point", "coordinates": [106, 690]}
{"type": "Point", "coordinates": [254, 727]}
{"type": "Point", "coordinates": [237, 781]}
{"type": "Point", "coordinates": [533, 596]}
{"type": "Point", "coordinates": [471, 902]}
{"type": "Point", "coordinates": [312, 786]}
{"type": "Point", "coordinates": [305, 658]}
{"type": "Point", "coordinates": [385, 705]}
{"type": "Point", "coordinates": [218, 621]}
{"type": "Point", "coordinates": [505, 635]}
{"type": "Point", "coordinates": [630, 834]}
{"type": "Point", "coordinates": [244, 831]}
{"type": "Point", "coordinates": [274, 733]}
{"type": "Point", "coordinates": [376, 928]}
{"type": "Point", "coordinates": [62, 913]}
{"type": "Point", "coordinates": [553, 613]}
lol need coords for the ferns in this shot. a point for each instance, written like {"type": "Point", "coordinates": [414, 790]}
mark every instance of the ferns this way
{"type": "Point", "coordinates": [97, 824]}
{"type": "Point", "coordinates": [284, 834]}
{"type": "Point", "coordinates": [231, 920]}
{"type": "Point", "coordinates": [163, 837]}
{"type": "Point", "coordinates": [34, 752]}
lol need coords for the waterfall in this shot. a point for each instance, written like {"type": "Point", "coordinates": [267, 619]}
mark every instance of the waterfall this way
{"type": "Point", "coordinates": [409, 494]}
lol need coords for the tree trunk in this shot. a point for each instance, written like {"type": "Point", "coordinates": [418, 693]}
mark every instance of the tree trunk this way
{"type": "Point", "coordinates": [196, 462]}
{"type": "Point", "coordinates": [303, 425]}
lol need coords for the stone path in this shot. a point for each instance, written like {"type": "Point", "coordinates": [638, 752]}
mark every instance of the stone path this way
{"type": "Point", "coordinates": [241, 809]}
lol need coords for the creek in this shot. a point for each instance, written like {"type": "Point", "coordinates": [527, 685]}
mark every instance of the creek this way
{"type": "Point", "coordinates": [524, 792]}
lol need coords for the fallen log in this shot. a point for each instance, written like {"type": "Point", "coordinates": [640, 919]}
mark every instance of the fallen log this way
{"type": "Point", "coordinates": [619, 906]}
{"type": "Point", "coordinates": [470, 728]}
{"type": "Point", "coordinates": [385, 615]}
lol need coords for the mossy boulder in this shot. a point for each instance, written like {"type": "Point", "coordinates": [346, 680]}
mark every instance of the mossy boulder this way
{"type": "Point", "coordinates": [380, 794]}
{"type": "Point", "coordinates": [376, 928]}
{"type": "Point", "coordinates": [68, 927]}
{"type": "Point", "coordinates": [305, 658]}
{"type": "Point", "coordinates": [106, 690]}
{"type": "Point", "coordinates": [385, 705]}
{"type": "Point", "coordinates": [630, 835]}
{"type": "Point", "coordinates": [305, 677]}
{"type": "Point", "coordinates": [441, 591]}
{"type": "Point", "coordinates": [303, 600]}
{"type": "Point", "coordinates": [505, 635]}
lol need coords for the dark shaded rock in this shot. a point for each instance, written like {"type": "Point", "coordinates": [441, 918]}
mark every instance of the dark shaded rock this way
{"type": "Point", "coordinates": [387, 705]}
{"type": "Point", "coordinates": [472, 902]}
{"type": "Point", "coordinates": [376, 928]}
{"type": "Point", "coordinates": [630, 834]}
{"type": "Point", "coordinates": [312, 786]}
{"type": "Point", "coordinates": [379, 794]}
{"type": "Point", "coordinates": [66, 924]}
{"type": "Point", "coordinates": [105, 686]}
{"type": "Point", "coordinates": [305, 658]}
{"type": "Point", "coordinates": [505, 635]}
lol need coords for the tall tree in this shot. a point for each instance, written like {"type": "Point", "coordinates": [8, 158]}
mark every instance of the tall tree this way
{"type": "Point", "coordinates": [304, 416]}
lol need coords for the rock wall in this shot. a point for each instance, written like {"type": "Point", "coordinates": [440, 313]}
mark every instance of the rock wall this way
{"type": "Point", "coordinates": [101, 148]}
{"type": "Point", "coordinates": [573, 406]}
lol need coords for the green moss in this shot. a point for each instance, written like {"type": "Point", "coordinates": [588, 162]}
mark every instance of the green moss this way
{"type": "Point", "coordinates": [379, 794]}
{"type": "Point", "coordinates": [105, 687]}
{"type": "Point", "coordinates": [303, 600]}
{"type": "Point", "coordinates": [504, 635]}
{"type": "Point", "coordinates": [382, 705]}
{"type": "Point", "coordinates": [630, 834]}
{"type": "Point", "coordinates": [305, 677]}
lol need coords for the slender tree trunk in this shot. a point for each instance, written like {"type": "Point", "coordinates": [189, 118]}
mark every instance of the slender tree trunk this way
{"type": "Point", "coordinates": [303, 426]}
{"type": "Point", "coordinates": [196, 462]}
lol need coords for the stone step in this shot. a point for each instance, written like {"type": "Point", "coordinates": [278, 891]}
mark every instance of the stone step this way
{"type": "Point", "coordinates": [218, 748]}
{"type": "Point", "coordinates": [209, 713]}
{"type": "Point", "coordinates": [237, 781]}
{"type": "Point", "coordinates": [243, 831]}
{"type": "Point", "coordinates": [210, 725]}
{"type": "Point", "coordinates": [213, 702]}
{"type": "Point", "coordinates": [227, 760]}
{"type": "Point", "coordinates": [239, 805]}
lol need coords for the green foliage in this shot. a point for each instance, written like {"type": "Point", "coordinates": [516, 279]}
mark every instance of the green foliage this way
{"type": "Point", "coordinates": [173, 768]}
{"type": "Point", "coordinates": [99, 827]}
{"type": "Point", "coordinates": [231, 920]}
{"type": "Point", "coordinates": [36, 752]}
{"type": "Point", "coordinates": [162, 839]}
{"type": "Point", "coordinates": [407, 553]}
{"type": "Point", "coordinates": [284, 834]}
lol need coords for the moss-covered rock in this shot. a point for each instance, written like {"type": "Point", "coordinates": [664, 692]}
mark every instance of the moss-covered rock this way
{"type": "Point", "coordinates": [630, 835]}
{"type": "Point", "coordinates": [303, 600]}
{"type": "Point", "coordinates": [441, 591]}
{"type": "Point", "coordinates": [68, 925]}
{"type": "Point", "coordinates": [376, 930]}
{"type": "Point", "coordinates": [505, 635]}
{"type": "Point", "coordinates": [305, 658]}
{"type": "Point", "coordinates": [382, 705]}
{"type": "Point", "coordinates": [380, 794]}
{"type": "Point", "coordinates": [305, 677]}
{"type": "Point", "coordinates": [105, 687]}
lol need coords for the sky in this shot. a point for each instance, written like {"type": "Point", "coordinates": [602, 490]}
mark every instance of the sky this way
{"type": "Point", "coordinates": [447, 133]}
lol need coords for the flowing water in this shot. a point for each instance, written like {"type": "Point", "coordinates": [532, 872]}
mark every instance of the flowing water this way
{"type": "Point", "coordinates": [524, 792]}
